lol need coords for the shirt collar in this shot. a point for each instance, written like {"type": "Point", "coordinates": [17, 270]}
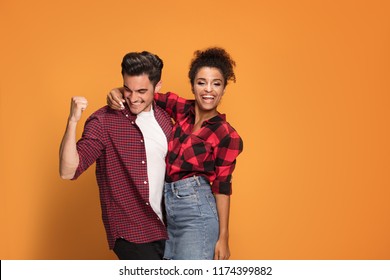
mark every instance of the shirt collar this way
{"type": "Point", "coordinates": [126, 112]}
{"type": "Point", "coordinates": [218, 118]}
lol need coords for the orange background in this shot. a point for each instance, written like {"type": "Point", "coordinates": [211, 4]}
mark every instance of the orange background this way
{"type": "Point", "coordinates": [311, 103]}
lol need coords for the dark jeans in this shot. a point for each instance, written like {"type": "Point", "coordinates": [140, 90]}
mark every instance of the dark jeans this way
{"type": "Point", "coordinates": [126, 250]}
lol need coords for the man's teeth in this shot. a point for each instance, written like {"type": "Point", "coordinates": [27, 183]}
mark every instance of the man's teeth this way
{"type": "Point", "coordinates": [207, 97]}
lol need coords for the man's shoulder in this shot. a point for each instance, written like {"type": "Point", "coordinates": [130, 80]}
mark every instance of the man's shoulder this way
{"type": "Point", "coordinates": [104, 112]}
{"type": "Point", "coordinates": [161, 113]}
{"type": "Point", "coordinates": [104, 117]}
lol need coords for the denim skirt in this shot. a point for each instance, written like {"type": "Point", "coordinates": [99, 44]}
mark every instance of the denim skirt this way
{"type": "Point", "coordinates": [192, 220]}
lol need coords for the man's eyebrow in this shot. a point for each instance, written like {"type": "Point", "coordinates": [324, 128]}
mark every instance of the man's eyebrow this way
{"type": "Point", "coordinates": [138, 90]}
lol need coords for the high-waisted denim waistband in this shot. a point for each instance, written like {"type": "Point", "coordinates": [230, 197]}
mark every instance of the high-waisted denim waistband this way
{"type": "Point", "coordinates": [191, 181]}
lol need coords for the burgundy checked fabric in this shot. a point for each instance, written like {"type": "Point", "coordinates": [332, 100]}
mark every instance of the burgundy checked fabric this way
{"type": "Point", "coordinates": [114, 141]}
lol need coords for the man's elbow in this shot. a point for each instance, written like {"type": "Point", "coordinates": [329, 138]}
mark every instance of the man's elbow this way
{"type": "Point", "coordinates": [66, 175]}
{"type": "Point", "coordinates": [67, 171]}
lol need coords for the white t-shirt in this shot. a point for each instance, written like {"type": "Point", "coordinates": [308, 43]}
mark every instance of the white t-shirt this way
{"type": "Point", "coordinates": [156, 147]}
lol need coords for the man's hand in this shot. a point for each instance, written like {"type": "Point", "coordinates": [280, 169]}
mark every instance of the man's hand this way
{"type": "Point", "coordinates": [77, 106]}
{"type": "Point", "coordinates": [115, 99]}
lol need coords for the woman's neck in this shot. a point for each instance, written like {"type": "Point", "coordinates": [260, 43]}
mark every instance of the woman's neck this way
{"type": "Point", "coordinates": [201, 115]}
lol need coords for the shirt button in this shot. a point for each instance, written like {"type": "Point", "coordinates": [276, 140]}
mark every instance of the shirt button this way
{"type": "Point", "coordinates": [142, 141]}
{"type": "Point", "coordinates": [127, 115]}
{"type": "Point", "coordinates": [147, 203]}
{"type": "Point", "coordinates": [143, 162]}
{"type": "Point", "coordinates": [132, 122]}
{"type": "Point", "coordinates": [145, 182]}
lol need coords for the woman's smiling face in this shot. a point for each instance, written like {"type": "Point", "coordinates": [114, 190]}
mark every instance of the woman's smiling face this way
{"type": "Point", "coordinates": [208, 88]}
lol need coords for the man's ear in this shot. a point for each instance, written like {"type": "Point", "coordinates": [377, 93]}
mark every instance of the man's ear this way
{"type": "Point", "coordinates": [158, 87]}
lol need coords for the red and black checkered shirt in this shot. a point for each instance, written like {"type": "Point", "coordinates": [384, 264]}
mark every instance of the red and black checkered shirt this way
{"type": "Point", "coordinates": [210, 152]}
{"type": "Point", "coordinates": [114, 141]}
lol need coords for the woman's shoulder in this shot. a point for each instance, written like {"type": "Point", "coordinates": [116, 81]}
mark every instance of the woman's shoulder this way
{"type": "Point", "coordinates": [225, 124]}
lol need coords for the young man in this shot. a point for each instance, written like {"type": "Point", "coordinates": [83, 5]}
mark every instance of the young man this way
{"type": "Point", "coordinates": [129, 148]}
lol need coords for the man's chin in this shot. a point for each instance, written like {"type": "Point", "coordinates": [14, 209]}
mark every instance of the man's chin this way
{"type": "Point", "coordinates": [136, 109]}
{"type": "Point", "coordinates": [135, 112]}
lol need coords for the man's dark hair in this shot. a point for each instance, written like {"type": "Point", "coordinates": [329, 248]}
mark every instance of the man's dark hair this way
{"type": "Point", "coordinates": [138, 63]}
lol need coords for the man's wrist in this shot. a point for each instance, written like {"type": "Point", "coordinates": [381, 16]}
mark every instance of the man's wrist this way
{"type": "Point", "coordinates": [72, 121]}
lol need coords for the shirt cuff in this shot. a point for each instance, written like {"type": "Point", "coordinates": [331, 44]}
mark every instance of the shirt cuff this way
{"type": "Point", "coordinates": [222, 187]}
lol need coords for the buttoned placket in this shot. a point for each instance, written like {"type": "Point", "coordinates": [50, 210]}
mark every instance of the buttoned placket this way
{"type": "Point", "coordinates": [142, 141]}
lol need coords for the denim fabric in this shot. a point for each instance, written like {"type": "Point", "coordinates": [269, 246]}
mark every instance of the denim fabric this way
{"type": "Point", "coordinates": [192, 220]}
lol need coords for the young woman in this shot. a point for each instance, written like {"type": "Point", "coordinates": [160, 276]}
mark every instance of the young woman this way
{"type": "Point", "coordinates": [201, 158]}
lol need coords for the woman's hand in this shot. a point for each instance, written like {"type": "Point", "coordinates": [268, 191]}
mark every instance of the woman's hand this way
{"type": "Point", "coordinates": [115, 99]}
{"type": "Point", "coordinates": [222, 251]}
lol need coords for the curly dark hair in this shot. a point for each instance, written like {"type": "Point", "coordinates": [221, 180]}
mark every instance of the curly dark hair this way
{"type": "Point", "coordinates": [138, 63]}
{"type": "Point", "coordinates": [213, 57]}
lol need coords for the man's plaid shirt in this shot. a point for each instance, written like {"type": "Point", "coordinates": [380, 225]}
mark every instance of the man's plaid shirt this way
{"type": "Point", "coordinates": [113, 139]}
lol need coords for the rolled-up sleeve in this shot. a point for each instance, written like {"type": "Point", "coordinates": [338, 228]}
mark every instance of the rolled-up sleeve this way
{"type": "Point", "coordinates": [90, 146]}
{"type": "Point", "coordinates": [225, 162]}
{"type": "Point", "coordinates": [176, 106]}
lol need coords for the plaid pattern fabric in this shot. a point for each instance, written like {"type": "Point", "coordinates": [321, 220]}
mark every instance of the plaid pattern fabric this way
{"type": "Point", "coordinates": [210, 152]}
{"type": "Point", "coordinates": [114, 141]}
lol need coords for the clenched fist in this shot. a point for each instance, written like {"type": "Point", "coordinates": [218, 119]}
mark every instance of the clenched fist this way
{"type": "Point", "coordinates": [77, 105]}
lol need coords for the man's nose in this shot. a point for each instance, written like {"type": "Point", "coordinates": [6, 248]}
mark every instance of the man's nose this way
{"type": "Point", "coordinates": [132, 97]}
